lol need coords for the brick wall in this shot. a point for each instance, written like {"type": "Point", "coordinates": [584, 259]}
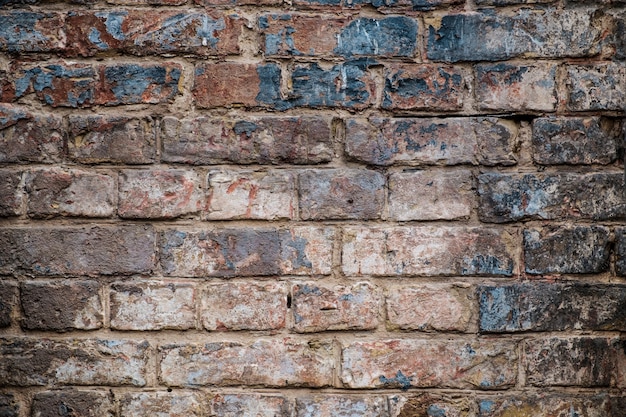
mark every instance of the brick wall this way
{"type": "Point", "coordinates": [312, 208]}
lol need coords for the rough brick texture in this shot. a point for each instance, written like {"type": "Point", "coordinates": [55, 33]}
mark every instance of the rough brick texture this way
{"type": "Point", "coordinates": [312, 208]}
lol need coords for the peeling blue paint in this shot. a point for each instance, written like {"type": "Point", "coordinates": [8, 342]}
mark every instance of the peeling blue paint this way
{"type": "Point", "coordinates": [18, 33]}
{"type": "Point", "coordinates": [307, 289]}
{"type": "Point", "coordinates": [486, 406]}
{"type": "Point", "coordinates": [496, 309]}
{"type": "Point", "coordinates": [242, 127]}
{"type": "Point", "coordinates": [129, 82]}
{"type": "Point", "coordinates": [94, 37]}
{"type": "Point", "coordinates": [435, 411]}
{"type": "Point", "coordinates": [399, 379]}
{"type": "Point", "coordinates": [10, 115]}
{"type": "Point", "coordinates": [299, 245]}
{"type": "Point", "coordinates": [269, 86]}
{"type": "Point", "coordinates": [392, 36]}
{"type": "Point", "coordinates": [113, 22]}
{"type": "Point", "coordinates": [488, 265]}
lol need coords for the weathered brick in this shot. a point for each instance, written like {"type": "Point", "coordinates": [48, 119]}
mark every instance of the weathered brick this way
{"type": "Point", "coordinates": [430, 195]}
{"type": "Point", "coordinates": [114, 139]}
{"type": "Point", "coordinates": [8, 299]}
{"type": "Point", "coordinates": [151, 32]}
{"type": "Point", "coordinates": [319, 307]}
{"type": "Point", "coordinates": [341, 194]}
{"type": "Point", "coordinates": [24, 31]}
{"type": "Point", "coordinates": [152, 305]}
{"type": "Point", "coordinates": [160, 194]}
{"type": "Point", "coordinates": [598, 86]}
{"type": "Point", "coordinates": [11, 193]}
{"type": "Point", "coordinates": [341, 405]}
{"type": "Point", "coordinates": [429, 404]}
{"type": "Point", "coordinates": [552, 307]}
{"type": "Point", "coordinates": [258, 140]}
{"type": "Point", "coordinates": [427, 250]}
{"type": "Point", "coordinates": [247, 252]}
{"type": "Point", "coordinates": [617, 406]}
{"type": "Point", "coordinates": [127, 83]}
{"type": "Point", "coordinates": [25, 137]}
{"type": "Point", "coordinates": [545, 405]}
{"type": "Point", "coordinates": [423, 87]}
{"type": "Point", "coordinates": [70, 192]}
{"type": "Point", "coordinates": [61, 305]}
{"type": "Point", "coordinates": [575, 140]}
{"type": "Point", "coordinates": [9, 405]}
{"type": "Point", "coordinates": [273, 363]}
{"type": "Point", "coordinates": [469, 364]}
{"type": "Point", "coordinates": [73, 402]}
{"type": "Point", "coordinates": [620, 251]}
{"type": "Point", "coordinates": [234, 84]}
{"type": "Point", "coordinates": [244, 306]}
{"type": "Point", "coordinates": [258, 405]}
{"type": "Point", "coordinates": [269, 195]}
{"type": "Point", "coordinates": [514, 197]}
{"type": "Point", "coordinates": [580, 361]}
{"type": "Point", "coordinates": [566, 250]}
{"type": "Point", "coordinates": [29, 362]}
{"type": "Point", "coordinates": [430, 307]}
{"type": "Point", "coordinates": [173, 404]}
{"type": "Point", "coordinates": [509, 2]}
{"type": "Point", "coordinates": [396, 6]}
{"type": "Point", "coordinates": [302, 35]}
{"type": "Point", "coordinates": [538, 32]}
{"type": "Point", "coordinates": [510, 87]}
{"type": "Point", "coordinates": [90, 250]}
{"type": "Point", "coordinates": [450, 141]}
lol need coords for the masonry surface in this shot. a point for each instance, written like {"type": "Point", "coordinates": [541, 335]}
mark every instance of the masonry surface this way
{"type": "Point", "coordinates": [299, 208]}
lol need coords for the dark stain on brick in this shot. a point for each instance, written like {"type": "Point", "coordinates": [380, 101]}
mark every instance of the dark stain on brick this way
{"type": "Point", "coordinates": [295, 245]}
{"type": "Point", "coordinates": [392, 36]}
{"type": "Point", "coordinates": [131, 83]}
{"type": "Point", "coordinates": [401, 380]}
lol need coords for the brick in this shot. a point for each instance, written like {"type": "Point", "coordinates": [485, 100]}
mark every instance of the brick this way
{"type": "Point", "coordinates": [552, 307]}
{"type": "Point", "coordinates": [423, 87]}
{"type": "Point", "coordinates": [8, 300]}
{"type": "Point", "coordinates": [545, 405]}
{"type": "Point", "coordinates": [575, 140]}
{"type": "Point", "coordinates": [620, 251]}
{"type": "Point", "coordinates": [267, 195]}
{"type": "Point", "coordinates": [30, 362]}
{"type": "Point", "coordinates": [11, 193]}
{"type": "Point", "coordinates": [469, 364]}
{"type": "Point", "coordinates": [428, 404]}
{"type": "Point", "coordinates": [113, 139]}
{"type": "Point", "coordinates": [580, 361]}
{"type": "Point", "coordinates": [153, 305]}
{"type": "Point", "coordinates": [58, 84]}
{"type": "Point", "coordinates": [538, 32]}
{"type": "Point", "coordinates": [509, 87]}
{"type": "Point", "coordinates": [566, 250]}
{"type": "Point", "coordinates": [9, 405]}
{"type": "Point", "coordinates": [151, 32]}
{"type": "Point", "coordinates": [617, 406]}
{"type": "Point", "coordinates": [244, 306]}
{"type": "Point", "coordinates": [271, 363]}
{"type": "Point", "coordinates": [61, 251]}
{"type": "Point", "coordinates": [319, 307]}
{"type": "Point", "coordinates": [233, 84]}
{"type": "Point", "coordinates": [514, 197]}
{"type": "Point", "coordinates": [258, 405]}
{"type": "Point", "coordinates": [336, 405]}
{"type": "Point", "coordinates": [73, 402]}
{"type": "Point", "coordinates": [247, 252]}
{"type": "Point", "coordinates": [341, 194]}
{"type": "Point", "coordinates": [431, 195]}
{"type": "Point", "coordinates": [70, 192]}
{"type": "Point", "coordinates": [430, 307]}
{"type": "Point", "coordinates": [25, 137]}
{"type": "Point", "coordinates": [598, 86]}
{"type": "Point", "coordinates": [148, 2]}
{"type": "Point", "coordinates": [22, 31]}
{"type": "Point", "coordinates": [61, 305]}
{"type": "Point", "coordinates": [302, 35]}
{"type": "Point", "coordinates": [159, 194]}
{"type": "Point", "coordinates": [510, 2]}
{"type": "Point", "coordinates": [138, 83]}
{"type": "Point", "coordinates": [395, 6]}
{"type": "Point", "coordinates": [432, 141]}
{"type": "Point", "coordinates": [426, 250]}
{"type": "Point", "coordinates": [174, 404]}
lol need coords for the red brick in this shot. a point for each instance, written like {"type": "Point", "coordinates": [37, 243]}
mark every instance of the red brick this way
{"type": "Point", "coordinates": [70, 192]}
{"type": "Point", "coordinates": [272, 363]}
{"type": "Point", "coordinates": [152, 305]}
{"type": "Point", "coordinates": [431, 195]}
{"type": "Point", "coordinates": [166, 194]}
{"type": "Point", "coordinates": [114, 139]}
{"type": "Point", "coordinates": [61, 306]}
{"type": "Point", "coordinates": [508, 87]}
{"type": "Point", "coordinates": [28, 362]}
{"type": "Point", "coordinates": [11, 193]}
{"type": "Point", "coordinates": [24, 31]}
{"type": "Point", "coordinates": [319, 307]}
{"type": "Point", "coordinates": [62, 250]}
{"type": "Point", "coordinates": [468, 364]}
{"type": "Point", "coordinates": [226, 84]}
{"type": "Point", "coordinates": [267, 195]}
{"type": "Point", "coordinates": [258, 405]}
{"type": "Point", "coordinates": [77, 402]}
{"type": "Point", "coordinates": [244, 306]}
{"type": "Point", "coordinates": [8, 302]}
{"type": "Point", "coordinates": [341, 405]}
{"type": "Point", "coordinates": [172, 404]}
{"type": "Point", "coordinates": [423, 87]}
{"type": "Point", "coordinates": [426, 250]}
{"type": "Point", "coordinates": [431, 307]}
